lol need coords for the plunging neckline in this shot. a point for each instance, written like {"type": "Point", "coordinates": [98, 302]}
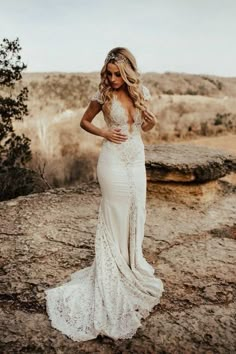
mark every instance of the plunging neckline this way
{"type": "Point", "coordinates": [126, 111]}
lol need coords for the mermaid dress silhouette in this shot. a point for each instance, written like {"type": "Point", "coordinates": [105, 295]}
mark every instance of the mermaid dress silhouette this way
{"type": "Point", "coordinates": [111, 296]}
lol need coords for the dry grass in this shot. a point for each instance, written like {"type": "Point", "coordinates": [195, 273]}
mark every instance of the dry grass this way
{"type": "Point", "coordinates": [187, 117]}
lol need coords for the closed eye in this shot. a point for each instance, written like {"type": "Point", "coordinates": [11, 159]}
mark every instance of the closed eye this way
{"type": "Point", "coordinates": [116, 73]}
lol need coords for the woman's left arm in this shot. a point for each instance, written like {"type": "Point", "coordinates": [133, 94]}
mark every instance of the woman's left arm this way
{"type": "Point", "coordinates": [149, 119]}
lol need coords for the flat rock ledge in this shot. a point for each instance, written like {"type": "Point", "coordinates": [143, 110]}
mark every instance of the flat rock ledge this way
{"type": "Point", "coordinates": [47, 236]}
{"type": "Point", "coordinates": [186, 173]}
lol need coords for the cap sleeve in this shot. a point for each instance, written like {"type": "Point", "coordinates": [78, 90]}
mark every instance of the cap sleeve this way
{"type": "Point", "coordinates": [97, 97]}
{"type": "Point", "coordinates": [146, 93]}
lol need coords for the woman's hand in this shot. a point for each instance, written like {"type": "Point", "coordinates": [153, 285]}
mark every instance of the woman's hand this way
{"type": "Point", "coordinates": [149, 117]}
{"type": "Point", "coordinates": [149, 120]}
{"type": "Point", "coordinates": [115, 135]}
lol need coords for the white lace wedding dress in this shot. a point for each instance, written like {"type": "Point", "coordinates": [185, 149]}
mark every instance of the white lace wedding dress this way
{"type": "Point", "coordinates": [119, 289]}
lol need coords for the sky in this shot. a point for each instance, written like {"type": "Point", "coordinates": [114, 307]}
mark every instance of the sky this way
{"type": "Point", "coordinates": [186, 36]}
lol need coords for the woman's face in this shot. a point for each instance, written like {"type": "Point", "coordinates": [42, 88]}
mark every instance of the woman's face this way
{"type": "Point", "coordinates": [114, 76]}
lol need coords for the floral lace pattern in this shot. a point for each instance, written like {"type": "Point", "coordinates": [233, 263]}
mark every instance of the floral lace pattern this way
{"type": "Point", "coordinates": [112, 295]}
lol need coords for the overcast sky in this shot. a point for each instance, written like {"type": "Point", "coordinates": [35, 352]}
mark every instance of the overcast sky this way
{"type": "Point", "coordinates": [192, 36]}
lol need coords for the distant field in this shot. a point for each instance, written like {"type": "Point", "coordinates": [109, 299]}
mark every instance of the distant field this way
{"type": "Point", "coordinates": [225, 142]}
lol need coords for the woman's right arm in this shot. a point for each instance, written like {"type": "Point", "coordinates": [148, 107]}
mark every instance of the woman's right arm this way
{"type": "Point", "coordinates": [113, 135]}
{"type": "Point", "coordinates": [93, 109]}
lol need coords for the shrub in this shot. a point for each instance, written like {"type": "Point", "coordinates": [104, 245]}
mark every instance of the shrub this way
{"type": "Point", "coordinates": [14, 149]}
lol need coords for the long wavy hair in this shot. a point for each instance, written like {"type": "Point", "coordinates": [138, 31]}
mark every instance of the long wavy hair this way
{"type": "Point", "coordinates": [129, 73]}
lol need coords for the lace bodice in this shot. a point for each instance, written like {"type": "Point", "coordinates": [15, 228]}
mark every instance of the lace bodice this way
{"type": "Point", "coordinates": [118, 116]}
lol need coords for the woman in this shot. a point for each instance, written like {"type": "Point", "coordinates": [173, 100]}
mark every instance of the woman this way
{"type": "Point", "coordinates": [119, 289]}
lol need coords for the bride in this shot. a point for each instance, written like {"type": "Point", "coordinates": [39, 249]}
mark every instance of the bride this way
{"type": "Point", "coordinates": [111, 296]}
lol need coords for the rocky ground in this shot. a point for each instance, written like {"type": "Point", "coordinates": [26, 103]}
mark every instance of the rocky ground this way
{"type": "Point", "coordinates": [47, 236]}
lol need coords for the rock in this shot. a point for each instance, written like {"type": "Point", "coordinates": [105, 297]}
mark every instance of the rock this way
{"type": "Point", "coordinates": [190, 194]}
{"type": "Point", "coordinates": [186, 163]}
{"type": "Point", "coordinates": [47, 236]}
{"type": "Point", "coordinates": [186, 173]}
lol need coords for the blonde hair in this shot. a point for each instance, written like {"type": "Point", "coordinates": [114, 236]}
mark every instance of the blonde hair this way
{"type": "Point", "coordinates": [127, 65]}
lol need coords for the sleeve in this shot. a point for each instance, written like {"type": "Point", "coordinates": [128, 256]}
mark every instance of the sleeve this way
{"type": "Point", "coordinates": [97, 97]}
{"type": "Point", "coordinates": [146, 93]}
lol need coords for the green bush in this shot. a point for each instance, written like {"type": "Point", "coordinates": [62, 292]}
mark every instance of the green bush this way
{"type": "Point", "coordinates": [14, 149]}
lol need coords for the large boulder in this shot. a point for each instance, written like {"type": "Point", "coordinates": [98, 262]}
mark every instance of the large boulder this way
{"type": "Point", "coordinates": [187, 163]}
{"type": "Point", "coordinates": [186, 173]}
